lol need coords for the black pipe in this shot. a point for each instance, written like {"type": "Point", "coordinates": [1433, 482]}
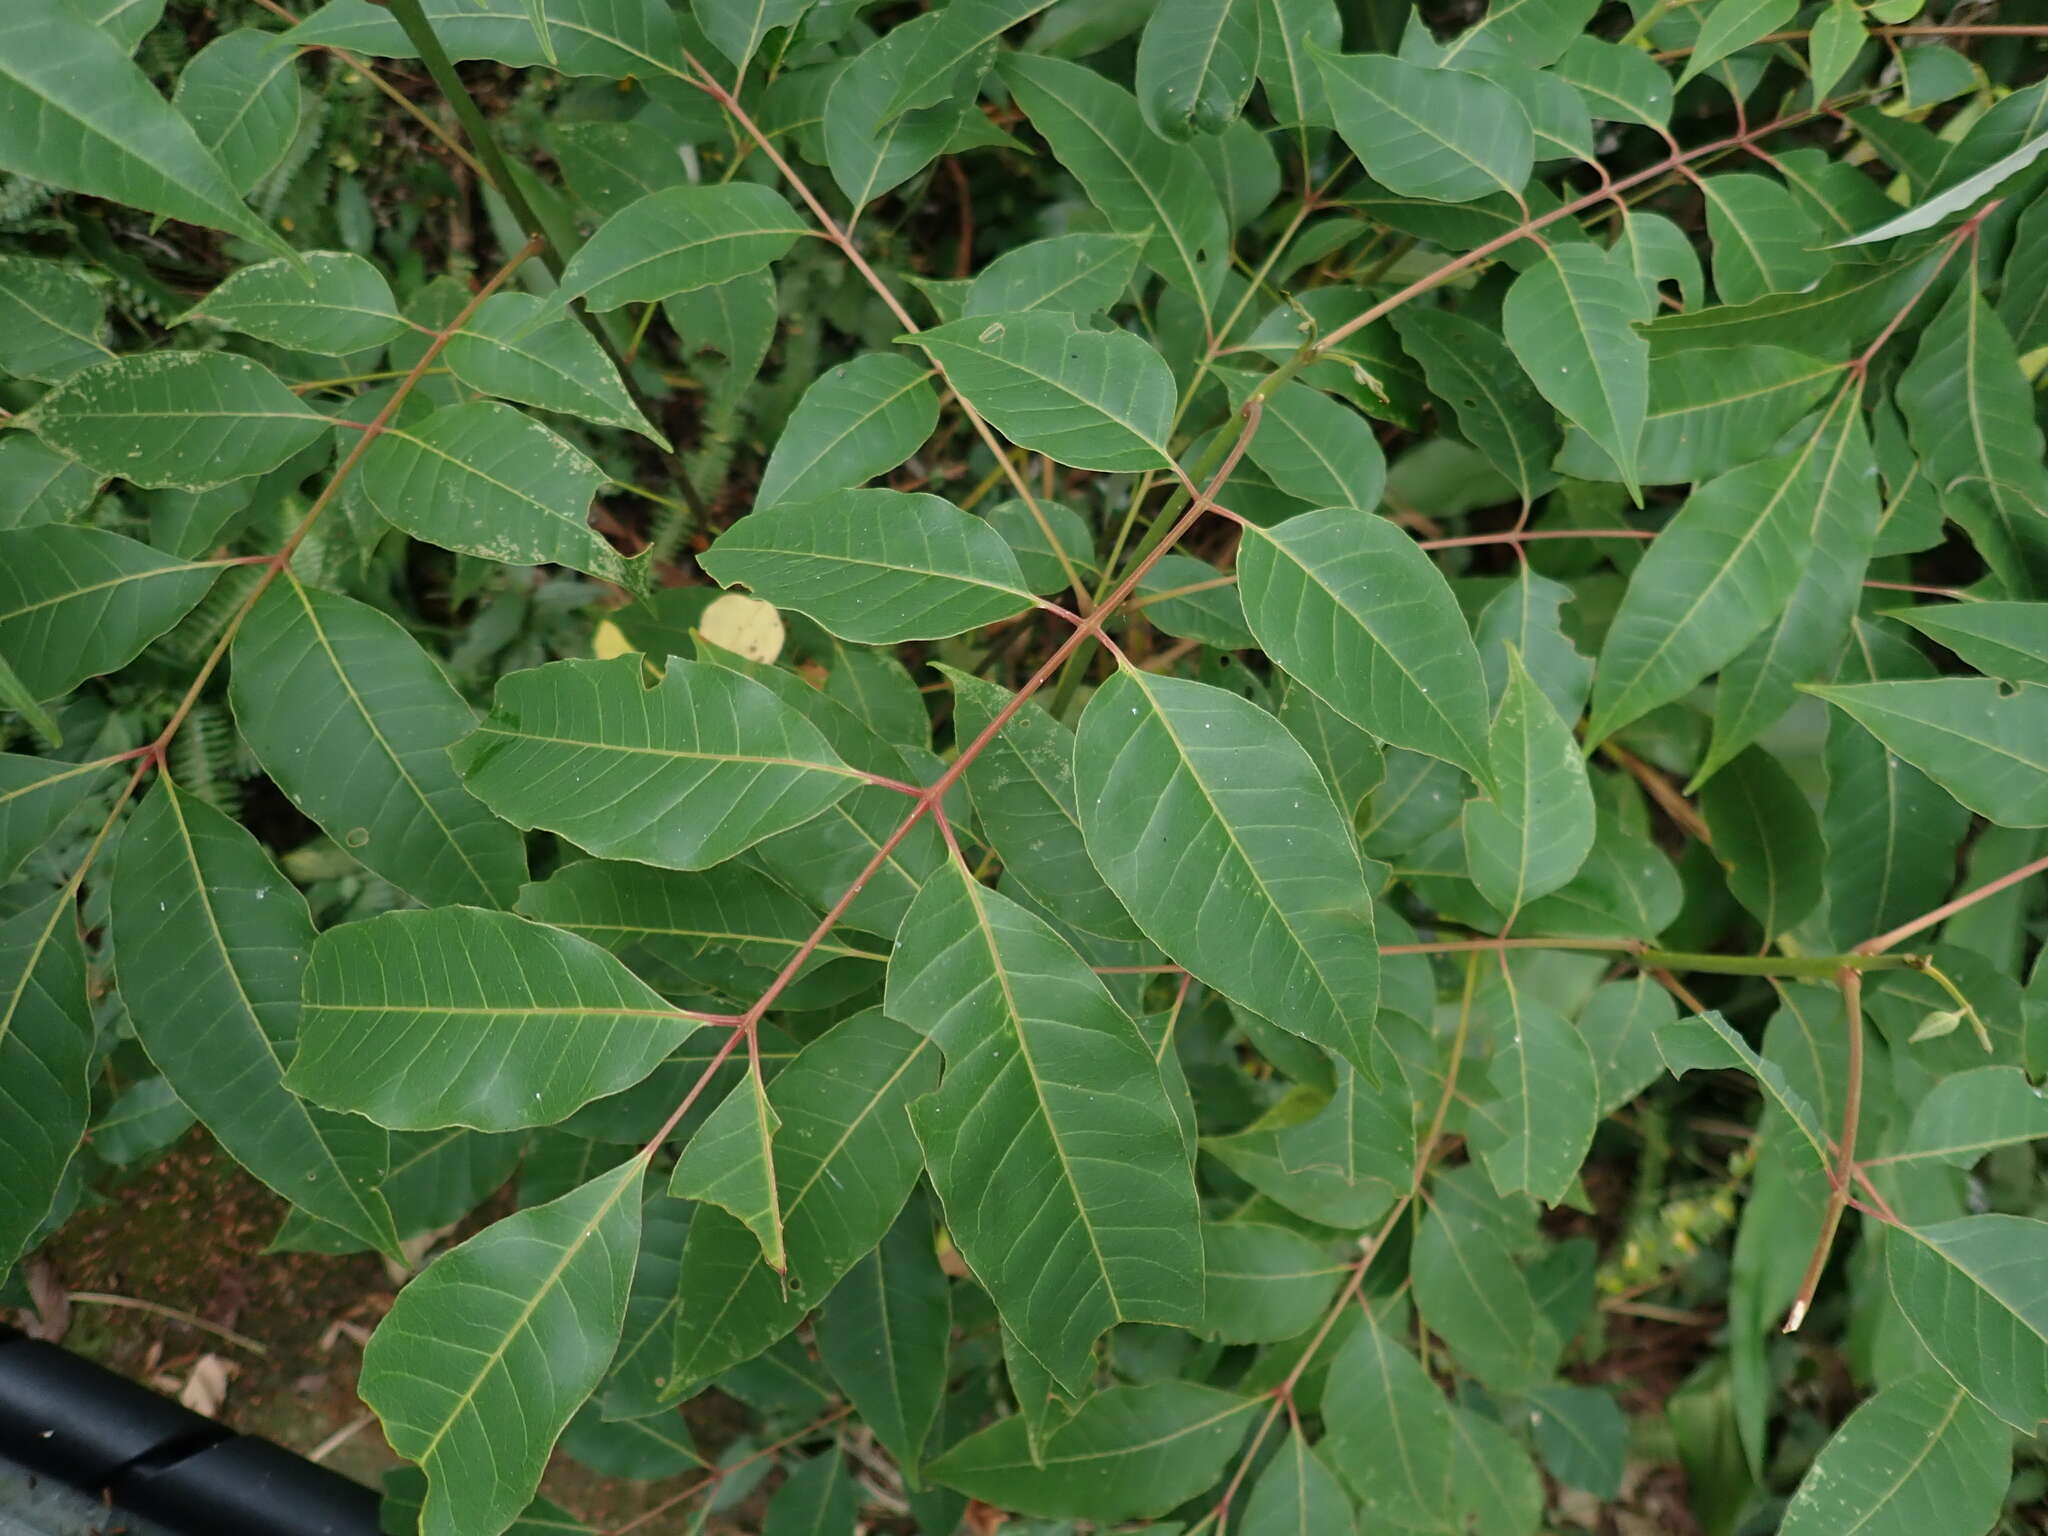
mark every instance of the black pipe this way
{"type": "Point", "coordinates": [67, 1418]}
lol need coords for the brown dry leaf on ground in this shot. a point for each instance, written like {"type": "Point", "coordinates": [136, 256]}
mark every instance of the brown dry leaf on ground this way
{"type": "Point", "coordinates": [206, 1385]}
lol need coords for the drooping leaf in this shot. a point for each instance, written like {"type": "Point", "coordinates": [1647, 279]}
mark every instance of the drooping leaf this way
{"type": "Point", "coordinates": [1141, 183]}
{"type": "Point", "coordinates": [1440, 134]}
{"type": "Point", "coordinates": [183, 420]}
{"type": "Point", "coordinates": [1570, 320]}
{"type": "Point", "coordinates": [46, 1053]}
{"type": "Point", "coordinates": [1713, 580]}
{"type": "Point", "coordinates": [855, 422]}
{"type": "Point", "coordinates": [1292, 33]}
{"type": "Point", "coordinates": [677, 240]}
{"type": "Point", "coordinates": [1536, 831]}
{"type": "Point", "coordinates": [1092, 399]}
{"type": "Point", "coordinates": [1545, 1105]}
{"type": "Point", "coordinates": [684, 774]}
{"type": "Point", "coordinates": [487, 480]}
{"type": "Point", "coordinates": [79, 114]}
{"type": "Point", "coordinates": [883, 1335]}
{"type": "Point", "coordinates": [1297, 1493]}
{"type": "Point", "coordinates": [1347, 604]}
{"type": "Point", "coordinates": [1620, 84]}
{"type": "Point", "coordinates": [1763, 242]}
{"type": "Point", "coordinates": [324, 301]}
{"type": "Point", "coordinates": [1022, 785]}
{"type": "Point", "coordinates": [461, 1016]}
{"type": "Point", "coordinates": [557, 365]}
{"type": "Point", "coordinates": [736, 27]}
{"type": "Point", "coordinates": [76, 602]}
{"type": "Point", "coordinates": [1706, 1041]}
{"type": "Point", "coordinates": [1973, 1291]}
{"type": "Point", "coordinates": [1317, 450]}
{"type": "Point", "coordinates": [240, 93]}
{"type": "Point", "coordinates": [1832, 46]}
{"type": "Point", "coordinates": [213, 942]}
{"type": "Point", "coordinates": [1478, 1301]}
{"type": "Point", "coordinates": [1052, 1103]}
{"type": "Point", "coordinates": [1956, 197]}
{"type": "Point", "coordinates": [1175, 776]}
{"type": "Point", "coordinates": [1984, 742]}
{"type": "Point", "coordinates": [484, 1357]}
{"type": "Point", "coordinates": [874, 566]}
{"type": "Point", "coordinates": [869, 150]}
{"type": "Point", "coordinates": [845, 1162]}
{"type": "Point", "coordinates": [353, 721]}
{"type": "Point", "coordinates": [1129, 1454]}
{"type": "Point", "coordinates": [1195, 66]}
{"type": "Point", "coordinates": [1497, 410]}
{"type": "Point", "coordinates": [730, 1162]}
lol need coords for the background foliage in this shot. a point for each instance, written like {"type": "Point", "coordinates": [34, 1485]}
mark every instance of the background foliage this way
{"type": "Point", "coordinates": [1365, 857]}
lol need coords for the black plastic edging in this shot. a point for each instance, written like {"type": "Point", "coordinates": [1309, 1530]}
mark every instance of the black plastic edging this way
{"type": "Point", "coordinates": [67, 1418]}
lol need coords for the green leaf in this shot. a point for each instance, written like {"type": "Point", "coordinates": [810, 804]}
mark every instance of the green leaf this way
{"type": "Point", "coordinates": [1440, 134]}
{"type": "Point", "coordinates": [1766, 838]}
{"type": "Point", "coordinates": [241, 95]}
{"type": "Point", "coordinates": [966, 35]}
{"type": "Point", "coordinates": [1052, 1103]}
{"type": "Point", "coordinates": [76, 602]}
{"type": "Point", "coordinates": [1968, 1114]}
{"type": "Point", "coordinates": [1837, 37]}
{"type": "Point", "coordinates": [211, 945]}
{"type": "Point", "coordinates": [1477, 1300]}
{"type": "Point", "coordinates": [1291, 35]}
{"type": "Point", "coordinates": [677, 240]}
{"type": "Point", "coordinates": [1973, 1291]}
{"type": "Point", "coordinates": [1733, 25]}
{"type": "Point", "coordinates": [1953, 199]}
{"type": "Point", "coordinates": [1297, 1494]}
{"type": "Point", "coordinates": [1984, 742]}
{"type": "Point", "coordinates": [1092, 399]}
{"type": "Point", "coordinates": [1347, 604]}
{"type": "Point", "coordinates": [855, 422]}
{"type": "Point", "coordinates": [1340, 1162]}
{"type": "Point", "coordinates": [1497, 410]}
{"type": "Point", "coordinates": [1216, 832]}
{"type": "Point", "coordinates": [1141, 183]}
{"type": "Point", "coordinates": [461, 1016]}
{"type": "Point", "coordinates": [684, 774]}
{"type": "Point", "coordinates": [79, 114]}
{"type": "Point", "coordinates": [1022, 785]}
{"type": "Point", "coordinates": [1317, 450]}
{"type": "Point", "coordinates": [183, 420]}
{"type": "Point", "coordinates": [39, 485]}
{"type": "Point", "coordinates": [1570, 319]}
{"type": "Point", "coordinates": [557, 366]}
{"type": "Point", "coordinates": [1761, 683]}
{"type": "Point", "coordinates": [46, 1054]}
{"type": "Point", "coordinates": [50, 320]}
{"type": "Point", "coordinates": [1970, 412]}
{"type": "Point", "coordinates": [1265, 1283]}
{"type": "Point", "coordinates": [487, 480]}
{"type": "Point", "coordinates": [1067, 274]}
{"type": "Point", "coordinates": [736, 27]}
{"type": "Point", "coordinates": [845, 1162]}
{"type": "Point", "coordinates": [874, 566]}
{"type": "Point", "coordinates": [818, 1499]}
{"type": "Point", "coordinates": [1389, 1430]}
{"type": "Point", "coordinates": [1546, 1103]}
{"type": "Point", "coordinates": [37, 796]}
{"type": "Point", "coordinates": [1626, 889]}
{"type": "Point", "coordinates": [323, 301]}
{"type": "Point", "coordinates": [1130, 1453]}
{"type": "Point", "coordinates": [352, 720]}
{"type": "Point", "coordinates": [2008, 640]}
{"type": "Point", "coordinates": [639, 1370]}
{"type": "Point", "coordinates": [883, 1335]}
{"type": "Point", "coordinates": [1195, 66]}
{"type": "Point", "coordinates": [1713, 580]}
{"type": "Point", "coordinates": [726, 930]}
{"type": "Point", "coordinates": [730, 1162]}
{"type": "Point", "coordinates": [1918, 1456]}
{"type": "Point", "coordinates": [640, 1449]}
{"type": "Point", "coordinates": [1704, 1041]}
{"type": "Point", "coordinates": [484, 1357]}
{"type": "Point", "coordinates": [1582, 1435]}
{"type": "Point", "coordinates": [1620, 84]}
{"type": "Point", "coordinates": [1536, 831]}
{"type": "Point", "coordinates": [1763, 242]}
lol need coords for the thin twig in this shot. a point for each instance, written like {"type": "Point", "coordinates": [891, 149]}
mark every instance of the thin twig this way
{"type": "Point", "coordinates": [175, 1314]}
